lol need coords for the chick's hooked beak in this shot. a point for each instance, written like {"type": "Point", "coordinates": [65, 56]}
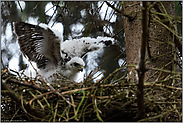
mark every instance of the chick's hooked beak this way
{"type": "Point", "coordinates": [81, 68]}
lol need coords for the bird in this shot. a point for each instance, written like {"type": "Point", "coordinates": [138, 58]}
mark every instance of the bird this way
{"type": "Point", "coordinates": [45, 46]}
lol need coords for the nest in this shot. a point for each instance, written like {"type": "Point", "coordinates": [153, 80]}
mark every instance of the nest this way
{"type": "Point", "coordinates": [108, 99]}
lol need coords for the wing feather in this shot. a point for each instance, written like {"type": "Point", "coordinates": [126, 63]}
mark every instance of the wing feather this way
{"type": "Point", "coordinates": [39, 44]}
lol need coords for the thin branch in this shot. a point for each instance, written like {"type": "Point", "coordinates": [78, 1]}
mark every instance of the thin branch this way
{"type": "Point", "coordinates": [157, 116]}
{"type": "Point", "coordinates": [141, 65]}
{"type": "Point", "coordinates": [48, 84]}
{"type": "Point", "coordinates": [53, 14]}
{"type": "Point", "coordinates": [122, 13]}
{"type": "Point", "coordinates": [163, 70]}
{"type": "Point", "coordinates": [20, 6]}
{"type": "Point", "coordinates": [117, 33]}
{"type": "Point", "coordinates": [39, 96]}
{"type": "Point", "coordinates": [26, 84]}
{"type": "Point", "coordinates": [56, 108]}
{"type": "Point", "coordinates": [36, 6]}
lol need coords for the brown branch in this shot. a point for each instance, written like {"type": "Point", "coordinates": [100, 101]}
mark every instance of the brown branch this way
{"type": "Point", "coordinates": [141, 65]}
{"type": "Point", "coordinates": [165, 86]}
{"type": "Point", "coordinates": [124, 14]}
{"type": "Point", "coordinates": [117, 33]}
{"type": "Point", "coordinates": [27, 85]}
{"type": "Point", "coordinates": [39, 96]}
{"type": "Point", "coordinates": [36, 6]}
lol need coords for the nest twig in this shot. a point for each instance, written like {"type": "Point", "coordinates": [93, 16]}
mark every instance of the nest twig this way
{"type": "Point", "coordinates": [107, 99]}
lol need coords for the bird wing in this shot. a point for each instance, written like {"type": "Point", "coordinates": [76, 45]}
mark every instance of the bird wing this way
{"type": "Point", "coordinates": [39, 44]}
{"type": "Point", "coordinates": [80, 47]}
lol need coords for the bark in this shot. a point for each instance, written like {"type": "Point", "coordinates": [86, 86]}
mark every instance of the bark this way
{"type": "Point", "coordinates": [132, 37]}
{"type": "Point", "coordinates": [160, 53]}
{"type": "Point", "coordinates": [137, 35]}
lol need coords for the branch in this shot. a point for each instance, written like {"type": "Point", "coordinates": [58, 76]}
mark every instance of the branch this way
{"type": "Point", "coordinates": [27, 85]}
{"type": "Point", "coordinates": [124, 14]}
{"type": "Point", "coordinates": [141, 65]}
{"type": "Point", "coordinates": [20, 6]}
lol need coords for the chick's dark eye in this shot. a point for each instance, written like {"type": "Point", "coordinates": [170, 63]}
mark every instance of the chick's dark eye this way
{"type": "Point", "coordinates": [75, 64]}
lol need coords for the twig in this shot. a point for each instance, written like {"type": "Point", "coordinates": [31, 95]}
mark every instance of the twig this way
{"type": "Point", "coordinates": [56, 108]}
{"type": "Point", "coordinates": [39, 96]}
{"type": "Point", "coordinates": [97, 110]}
{"type": "Point", "coordinates": [163, 70]}
{"type": "Point", "coordinates": [157, 116]}
{"type": "Point", "coordinates": [172, 31]}
{"type": "Point", "coordinates": [80, 104]}
{"type": "Point", "coordinates": [117, 10]}
{"type": "Point", "coordinates": [106, 11]}
{"type": "Point", "coordinates": [114, 72]}
{"type": "Point", "coordinates": [76, 90]}
{"type": "Point", "coordinates": [26, 84]}
{"type": "Point", "coordinates": [53, 13]}
{"type": "Point", "coordinates": [117, 33]}
{"type": "Point", "coordinates": [17, 98]}
{"type": "Point", "coordinates": [20, 6]}
{"type": "Point", "coordinates": [37, 100]}
{"type": "Point", "coordinates": [157, 72]}
{"type": "Point", "coordinates": [165, 86]}
{"type": "Point", "coordinates": [48, 84]}
{"type": "Point", "coordinates": [36, 6]}
{"type": "Point", "coordinates": [75, 112]}
{"type": "Point", "coordinates": [44, 99]}
{"type": "Point", "coordinates": [14, 114]}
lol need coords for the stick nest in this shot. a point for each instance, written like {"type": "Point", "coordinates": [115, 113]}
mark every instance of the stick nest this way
{"type": "Point", "coordinates": [108, 99]}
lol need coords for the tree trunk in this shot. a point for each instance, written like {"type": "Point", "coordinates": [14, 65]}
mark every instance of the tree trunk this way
{"type": "Point", "coordinates": [159, 41]}
{"type": "Point", "coordinates": [159, 45]}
